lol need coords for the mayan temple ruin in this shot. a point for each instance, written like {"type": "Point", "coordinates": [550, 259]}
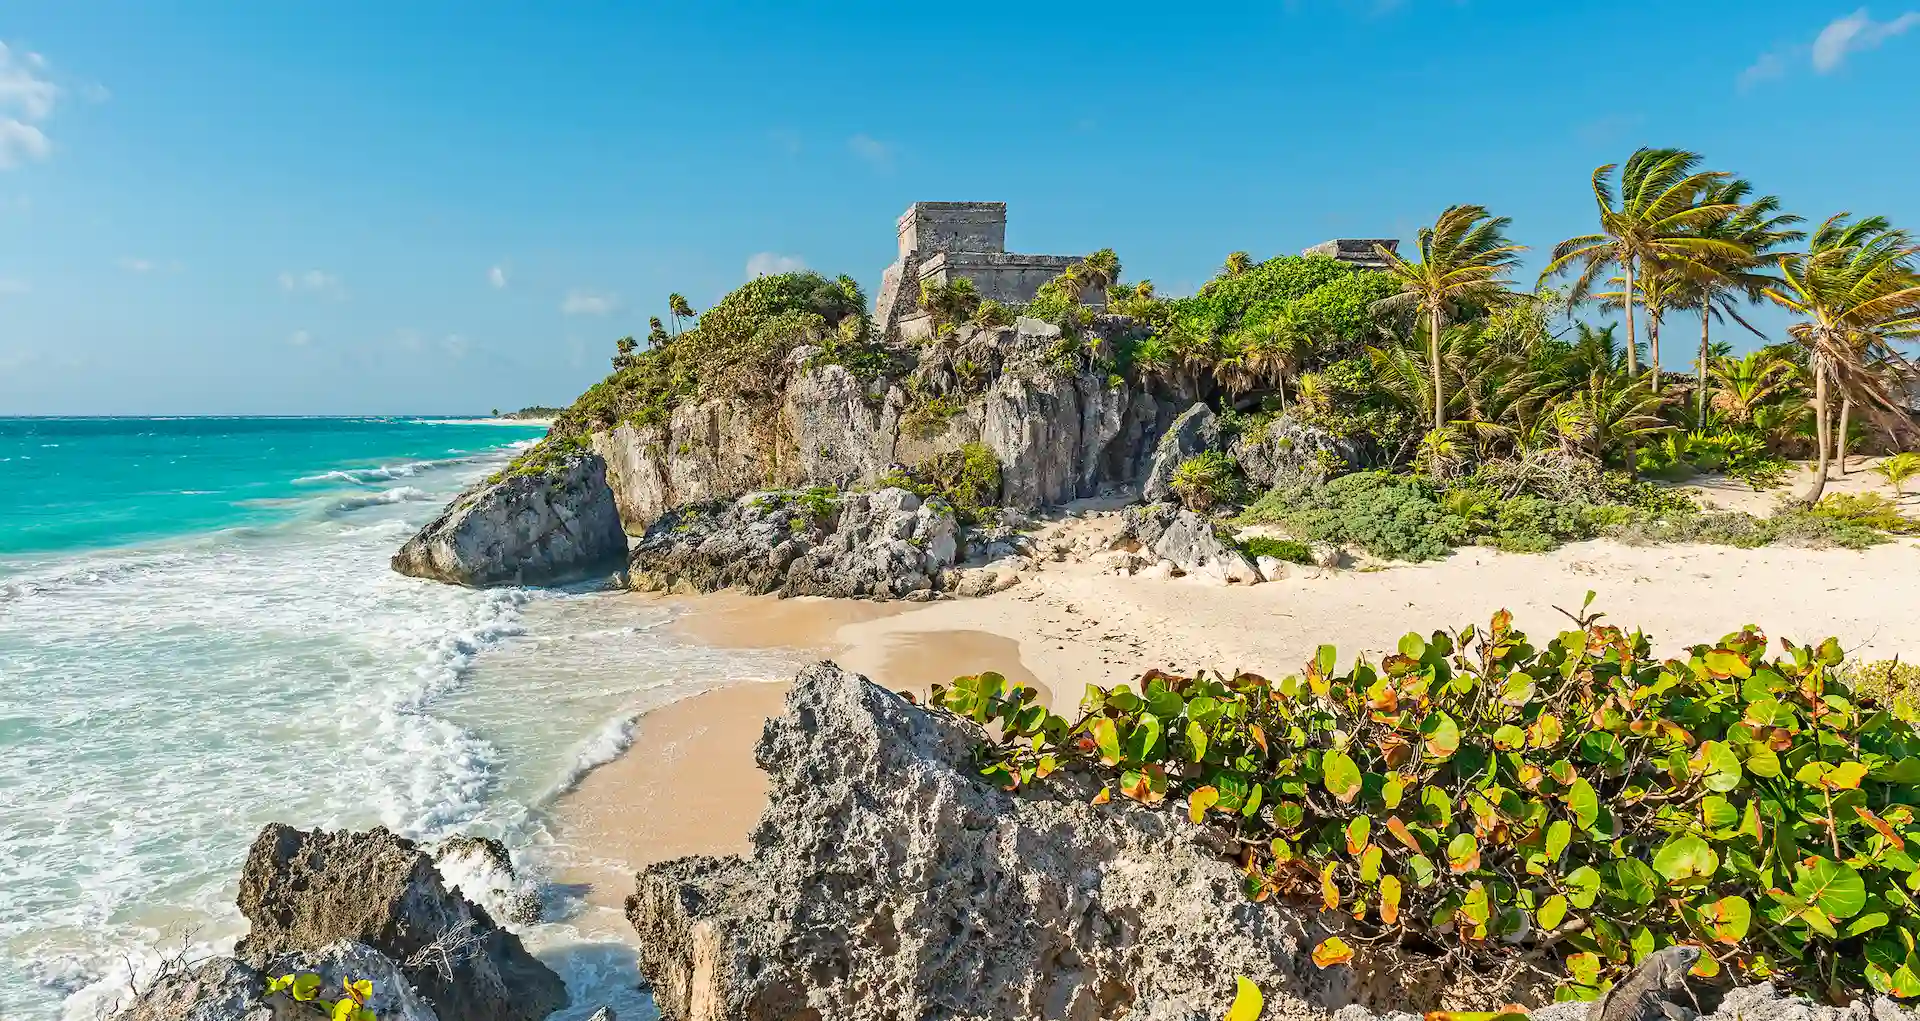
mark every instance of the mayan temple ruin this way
{"type": "Point", "coordinates": [943, 240]}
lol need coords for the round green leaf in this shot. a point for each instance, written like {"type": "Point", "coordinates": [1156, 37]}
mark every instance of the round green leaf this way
{"type": "Point", "coordinates": [1686, 860]}
{"type": "Point", "coordinates": [1341, 775]}
{"type": "Point", "coordinates": [1832, 886]}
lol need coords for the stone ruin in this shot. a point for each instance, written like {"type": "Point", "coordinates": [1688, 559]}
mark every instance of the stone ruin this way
{"type": "Point", "coordinates": [943, 240]}
{"type": "Point", "coordinates": [1359, 252]}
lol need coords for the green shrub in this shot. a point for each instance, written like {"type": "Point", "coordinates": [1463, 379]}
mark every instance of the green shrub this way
{"type": "Point", "coordinates": [968, 479]}
{"type": "Point", "coordinates": [545, 457]}
{"type": "Point", "coordinates": [1870, 510]}
{"type": "Point", "coordinates": [1898, 468]}
{"type": "Point", "coordinates": [1888, 682]}
{"type": "Point", "coordinates": [1791, 526]}
{"type": "Point", "coordinates": [1581, 803]}
{"type": "Point", "coordinates": [1207, 480]}
{"type": "Point", "coordinates": [1534, 524]}
{"type": "Point", "coordinates": [992, 313]}
{"type": "Point", "coordinates": [1292, 551]}
{"type": "Point", "coordinates": [1390, 517]}
{"type": "Point", "coordinates": [304, 988]}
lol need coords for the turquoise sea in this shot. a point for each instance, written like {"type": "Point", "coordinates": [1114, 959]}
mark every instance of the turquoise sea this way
{"type": "Point", "coordinates": [199, 634]}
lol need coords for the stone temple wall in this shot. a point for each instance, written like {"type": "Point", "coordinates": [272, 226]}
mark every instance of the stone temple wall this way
{"type": "Point", "coordinates": [943, 240]}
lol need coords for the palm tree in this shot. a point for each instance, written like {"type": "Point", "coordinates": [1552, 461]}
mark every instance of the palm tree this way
{"type": "Point", "coordinates": [1659, 290]}
{"type": "Point", "coordinates": [1238, 263]}
{"type": "Point", "coordinates": [1462, 259]}
{"type": "Point", "coordinates": [1100, 270]}
{"type": "Point", "coordinates": [1741, 385]}
{"type": "Point", "coordinates": [1758, 226]}
{"type": "Point", "coordinates": [1607, 414]}
{"type": "Point", "coordinates": [678, 308]}
{"type": "Point", "coordinates": [656, 333]}
{"type": "Point", "coordinates": [1651, 225]}
{"type": "Point", "coordinates": [1857, 291]}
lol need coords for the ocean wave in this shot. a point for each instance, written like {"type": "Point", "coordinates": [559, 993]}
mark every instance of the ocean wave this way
{"type": "Point", "coordinates": [398, 494]}
{"type": "Point", "coordinates": [607, 744]}
{"type": "Point", "coordinates": [388, 472]}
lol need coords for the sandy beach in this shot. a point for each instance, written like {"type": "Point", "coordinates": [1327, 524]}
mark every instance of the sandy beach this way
{"type": "Point", "coordinates": [689, 784]}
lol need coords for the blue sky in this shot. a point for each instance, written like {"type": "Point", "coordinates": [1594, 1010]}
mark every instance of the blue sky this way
{"type": "Point", "coordinates": [428, 207]}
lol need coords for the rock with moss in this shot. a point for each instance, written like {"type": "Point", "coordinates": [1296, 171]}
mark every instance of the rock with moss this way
{"type": "Point", "coordinates": [536, 524]}
{"type": "Point", "coordinates": [1286, 448]}
{"type": "Point", "coordinates": [889, 544]}
{"type": "Point", "coordinates": [1196, 431]}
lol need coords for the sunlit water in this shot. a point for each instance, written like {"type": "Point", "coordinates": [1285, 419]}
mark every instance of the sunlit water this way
{"type": "Point", "coordinates": [199, 634]}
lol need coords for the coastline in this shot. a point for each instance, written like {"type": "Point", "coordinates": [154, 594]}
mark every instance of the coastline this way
{"type": "Point", "coordinates": [688, 784]}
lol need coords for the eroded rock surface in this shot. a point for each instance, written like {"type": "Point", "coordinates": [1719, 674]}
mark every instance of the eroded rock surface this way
{"type": "Point", "coordinates": [888, 544]}
{"type": "Point", "coordinates": [1289, 449]}
{"type": "Point", "coordinates": [887, 881]}
{"type": "Point", "coordinates": [306, 890]}
{"type": "Point", "coordinates": [1195, 431]}
{"type": "Point", "coordinates": [525, 529]}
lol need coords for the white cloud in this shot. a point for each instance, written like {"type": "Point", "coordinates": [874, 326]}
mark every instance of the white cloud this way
{"type": "Point", "coordinates": [878, 154]}
{"type": "Point", "coordinates": [313, 281]}
{"type": "Point", "coordinates": [300, 338]}
{"type": "Point", "coordinates": [1769, 67]}
{"type": "Point", "coordinates": [20, 142]}
{"type": "Point", "coordinates": [26, 98]}
{"type": "Point", "coordinates": [588, 303]}
{"type": "Point", "coordinates": [762, 264]}
{"type": "Point", "coordinates": [1853, 33]}
{"type": "Point", "coordinates": [497, 277]}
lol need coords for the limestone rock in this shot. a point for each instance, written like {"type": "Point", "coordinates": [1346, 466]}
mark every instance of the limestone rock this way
{"type": "Point", "coordinates": [394, 997]}
{"type": "Point", "coordinates": [1326, 555]}
{"type": "Point", "coordinates": [528, 529]}
{"type": "Point", "coordinates": [883, 545]}
{"type": "Point", "coordinates": [221, 989]}
{"type": "Point", "coordinates": [1288, 448]}
{"type": "Point", "coordinates": [303, 891]}
{"type": "Point", "coordinates": [1195, 431]}
{"type": "Point", "coordinates": [1271, 568]}
{"type": "Point", "coordinates": [1188, 541]}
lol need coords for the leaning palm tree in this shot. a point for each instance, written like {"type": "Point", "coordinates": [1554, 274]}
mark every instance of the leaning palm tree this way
{"type": "Point", "coordinates": [1858, 293]}
{"type": "Point", "coordinates": [1761, 228]}
{"type": "Point", "coordinates": [1608, 415]}
{"type": "Point", "coordinates": [678, 308]}
{"type": "Point", "coordinates": [1463, 257]}
{"type": "Point", "coordinates": [1100, 270]}
{"type": "Point", "coordinates": [1238, 263]}
{"type": "Point", "coordinates": [1650, 225]}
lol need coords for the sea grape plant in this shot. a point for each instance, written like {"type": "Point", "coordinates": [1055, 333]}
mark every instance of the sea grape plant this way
{"type": "Point", "coordinates": [1583, 803]}
{"type": "Point", "coordinates": [304, 987]}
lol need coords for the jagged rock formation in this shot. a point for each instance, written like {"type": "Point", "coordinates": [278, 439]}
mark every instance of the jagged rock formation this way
{"type": "Point", "coordinates": [302, 890]}
{"type": "Point", "coordinates": [223, 989]}
{"type": "Point", "coordinates": [1196, 430]}
{"type": "Point", "coordinates": [887, 880]}
{"type": "Point", "coordinates": [532, 528]}
{"type": "Point", "coordinates": [884, 545]}
{"type": "Point", "coordinates": [1166, 534]}
{"type": "Point", "coordinates": [1289, 449]}
{"type": "Point", "coordinates": [1060, 432]}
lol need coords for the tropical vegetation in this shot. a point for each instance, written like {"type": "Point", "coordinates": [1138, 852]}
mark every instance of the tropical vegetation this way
{"type": "Point", "coordinates": [1567, 807]}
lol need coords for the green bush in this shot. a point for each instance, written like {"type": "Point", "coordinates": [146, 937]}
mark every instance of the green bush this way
{"type": "Point", "coordinates": [1390, 517]}
{"type": "Point", "coordinates": [1292, 551]}
{"type": "Point", "coordinates": [545, 457]}
{"type": "Point", "coordinates": [1581, 803]}
{"type": "Point", "coordinates": [968, 479]}
{"type": "Point", "coordinates": [1207, 480]}
{"type": "Point", "coordinates": [1888, 682]}
{"type": "Point", "coordinates": [1867, 509]}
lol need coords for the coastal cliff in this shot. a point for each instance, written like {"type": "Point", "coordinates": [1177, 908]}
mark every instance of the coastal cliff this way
{"type": "Point", "coordinates": [1059, 431]}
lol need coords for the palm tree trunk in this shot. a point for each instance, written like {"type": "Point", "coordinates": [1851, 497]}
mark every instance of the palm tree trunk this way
{"type": "Point", "coordinates": [1820, 430]}
{"type": "Point", "coordinates": [1653, 346]}
{"type": "Point", "coordinates": [1626, 307]}
{"type": "Point", "coordinates": [1840, 441]}
{"type": "Point", "coordinates": [1706, 331]}
{"type": "Point", "coordinates": [1433, 354]}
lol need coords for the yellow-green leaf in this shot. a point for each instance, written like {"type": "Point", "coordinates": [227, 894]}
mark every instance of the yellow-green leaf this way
{"type": "Point", "coordinates": [1247, 1001]}
{"type": "Point", "coordinates": [1199, 801]}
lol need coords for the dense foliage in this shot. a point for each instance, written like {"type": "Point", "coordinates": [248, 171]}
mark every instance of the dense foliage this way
{"type": "Point", "coordinates": [968, 479]}
{"type": "Point", "coordinates": [1581, 803]}
{"type": "Point", "coordinates": [1207, 480]}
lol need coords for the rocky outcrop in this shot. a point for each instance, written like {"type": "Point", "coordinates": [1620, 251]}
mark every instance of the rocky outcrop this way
{"type": "Point", "coordinates": [1287, 448]}
{"type": "Point", "coordinates": [301, 891]}
{"type": "Point", "coordinates": [1187, 543]}
{"type": "Point", "coordinates": [889, 544]}
{"type": "Point", "coordinates": [1196, 430]}
{"type": "Point", "coordinates": [481, 870]}
{"type": "Point", "coordinates": [887, 880]}
{"type": "Point", "coordinates": [1059, 432]}
{"type": "Point", "coordinates": [523, 528]}
{"type": "Point", "coordinates": [224, 989]}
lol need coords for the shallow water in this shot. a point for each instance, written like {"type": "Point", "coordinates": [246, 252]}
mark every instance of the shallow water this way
{"type": "Point", "coordinates": [216, 642]}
